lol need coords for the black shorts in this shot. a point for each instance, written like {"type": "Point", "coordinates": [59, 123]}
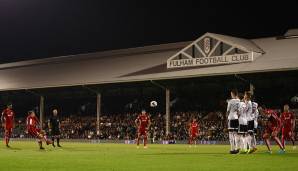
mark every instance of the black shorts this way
{"type": "Point", "coordinates": [250, 126]}
{"type": "Point", "coordinates": [233, 125]}
{"type": "Point", "coordinates": [55, 132]}
{"type": "Point", "coordinates": [242, 129]}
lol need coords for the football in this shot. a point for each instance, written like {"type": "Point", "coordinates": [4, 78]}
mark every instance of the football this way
{"type": "Point", "coordinates": [153, 104]}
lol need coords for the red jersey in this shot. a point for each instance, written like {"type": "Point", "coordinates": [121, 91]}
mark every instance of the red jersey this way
{"type": "Point", "coordinates": [143, 120]}
{"type": "Point", "coordinates": [287, 119]}
{"type": "Point", "coordinates": [194, 126]}
{"type": "Point", "coordinates": [273, 120]}
{"type": "Point", "coordinates": [32, 122]}
{"type": "Point", "coordinates": [8, 116]}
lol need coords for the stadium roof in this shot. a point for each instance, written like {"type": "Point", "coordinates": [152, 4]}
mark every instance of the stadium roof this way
{"type": "Point", "coordinates": [144, 63]}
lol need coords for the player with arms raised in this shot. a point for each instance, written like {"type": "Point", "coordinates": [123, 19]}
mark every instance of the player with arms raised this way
{"type": "Point", "coordinates": [193, 132]}
{"type": "Point", "coordinates": [143, 124]}
{"type": "Point", "coordinates": [34, 130]}
{"type": "Point", "coordinates": [288, 126]}
{"type": "Point", "coordinates": [272, 128]}
{"type": "Point", "coordinates": [7, 119]}
{"type": "Point", "coordinates": [255, 118]}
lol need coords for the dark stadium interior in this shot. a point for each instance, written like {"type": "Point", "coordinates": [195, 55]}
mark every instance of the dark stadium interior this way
{"type": "Point", "coordinates": [188, 94]}
{"type": "Point", "coordinates": [34, 29]}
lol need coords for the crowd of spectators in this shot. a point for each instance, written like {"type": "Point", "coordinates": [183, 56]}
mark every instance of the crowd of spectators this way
{"type": "Point", "coordinates": [122, 127]}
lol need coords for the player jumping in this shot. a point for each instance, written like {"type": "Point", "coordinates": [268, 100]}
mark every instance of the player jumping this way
{"type": "Point", "coordinates": [7, 119]}
{"type": "Point", "coordinates": [54, 128]}
{"type": "Point", "coordinates": [233, 122]}
{"type": "Point", "coordinates": [143, 124]}
{"type": "Point", "coordinates": [34, 130]}
{"type": "Point", "coordinates": [193, 132]}
{"type": "Point", "coordinates": [288, 126]}
{"type": "Point", "coordinates": [272, 129]}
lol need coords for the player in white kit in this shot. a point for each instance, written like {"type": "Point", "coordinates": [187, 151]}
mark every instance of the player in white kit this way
{"type": "Point", "coordinates": [255, 112]}
{"type": "Point", "coordinates": [250, 121]}
{"type": "Point", "coordinates": [233, 123]}
{"type": "Point", "coordinates": [242, 131]}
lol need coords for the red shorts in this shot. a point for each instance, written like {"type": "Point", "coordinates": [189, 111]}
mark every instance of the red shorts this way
{"type": "Point", "coordinates": [8, 127]}
{"type": "Point", "coordinates": [142, 131]}
{"type": "Point", "coordinates": [271, 130]}
{"type": "Point", "coordinates": [35, 132]}
{"type": "Point", "coordinates": [287, 133]}
{"type": "Point", "coordinates": [194, 134]}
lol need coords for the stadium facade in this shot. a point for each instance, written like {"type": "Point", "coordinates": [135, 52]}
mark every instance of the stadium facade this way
{"type": "Point", "coordinates": [209, 55]}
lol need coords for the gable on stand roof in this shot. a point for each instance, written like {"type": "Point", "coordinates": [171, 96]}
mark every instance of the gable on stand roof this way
{"type": "Point", "coordinates": [214, 45]}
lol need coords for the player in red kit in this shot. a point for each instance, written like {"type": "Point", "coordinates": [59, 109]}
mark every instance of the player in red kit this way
{"type": "Point", "coordinates": [288, 125]}
{"type": "Point", "coordinates": [143, 124]}
{"type": "Point", "coordinates": [193, 132]}
{"type": "Point", "coordinates": [7, 119]}
{"type": "Point", "coordinates": [34, 130]}
{"type": "Point", "coordinates": [272, 128]}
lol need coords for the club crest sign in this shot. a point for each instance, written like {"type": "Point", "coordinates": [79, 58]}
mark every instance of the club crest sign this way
{"type": "Point", "coordinates": [207, 45]}
{"type": "Point", "coordinates": [208, 50]}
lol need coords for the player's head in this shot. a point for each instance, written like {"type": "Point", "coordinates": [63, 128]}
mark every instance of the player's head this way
{"type": "Point", "coordinates": [194, 119]}
{"type": "Point", "coordinates": [264, 111]}
{"type": "Point", "coordinates": [247, 95]}
{"type": "Point", "coordinates": [9, 105]}
{"type": "Point", "coordinates": [55, 112]}
{"type": "Point", "coordinates": [143, 111]}
{"type": "Point", "coordinates": [31, 113]}
{"type": "Point", "coordinates": [286, 108]}
{"type": "Point", "coordinates": [234, 93]}
{"type": "Point", "coordinates": [240, 95]}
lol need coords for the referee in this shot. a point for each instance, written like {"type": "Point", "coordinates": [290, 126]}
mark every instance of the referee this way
{"type": "Point", "coordinates": [54, 127]}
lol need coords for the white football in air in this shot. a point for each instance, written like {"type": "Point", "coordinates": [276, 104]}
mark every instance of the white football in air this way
{"type": "Point", "coordinates": [294, 99]}
{"type": "Point", "coordinates": [153, 103]}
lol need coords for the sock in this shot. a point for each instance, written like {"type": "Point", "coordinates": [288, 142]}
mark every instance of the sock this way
{"type": "Point", "coordinates": [231, 139]}
{"type": "Point", "coordinates": [293, 141]}
{"type": "Point", "coordinates": [6, 140]}
{"type": "Point", "coordinates": [254, 141]}
{"type": "Point", "coordinates": [249, 141]}
{"type": "Point", "coordinates": [240, 141]}
{"type": "Point", "coordinates": [283, 141]}
{"type": "Point", "coordinates": [145, 140]}
{"type": "Point", "coordinates": [40, 143]}
{"type": "Point", "coordinates": [236, 140]}
{"type": "Point", "coordinates": [267, 141]}
{"type": "Point", "coordinates": [45, 138]}
{"type": "Point", "coordinates": [244, 143]}
{"type": "Point", "coordinates": [138, 141]}
{"type": "Point", "coordinates": [58, 141]}
{"type": "Point", "coordinates": [278, 143]}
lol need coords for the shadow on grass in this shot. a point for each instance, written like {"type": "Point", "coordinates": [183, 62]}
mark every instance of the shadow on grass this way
{"type": "Point", "coordinates": [261, 153]}
{"type": "Point", "coordinates": [13, 148]}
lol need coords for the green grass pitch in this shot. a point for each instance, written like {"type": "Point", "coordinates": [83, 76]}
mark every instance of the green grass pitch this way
{"type": "Point", "coordinates": [84, 157]}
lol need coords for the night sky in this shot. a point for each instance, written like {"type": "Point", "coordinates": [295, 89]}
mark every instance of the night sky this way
{"type": "Point", "coordinates": [32, 29]}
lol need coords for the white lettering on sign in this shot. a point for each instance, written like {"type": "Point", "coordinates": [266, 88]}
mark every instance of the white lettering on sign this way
{"type": "Point", "coordinates": [214, 60]}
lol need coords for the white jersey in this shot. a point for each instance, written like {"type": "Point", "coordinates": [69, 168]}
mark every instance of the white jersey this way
{"type": "Point", "coordinates": [242, 114]}
{"type": "Point", "coordinates": [232, 109]}
{"type": "Point", "coordinates": [255, 112]}
{"type": "Point", "coordinates": [248, 111]}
